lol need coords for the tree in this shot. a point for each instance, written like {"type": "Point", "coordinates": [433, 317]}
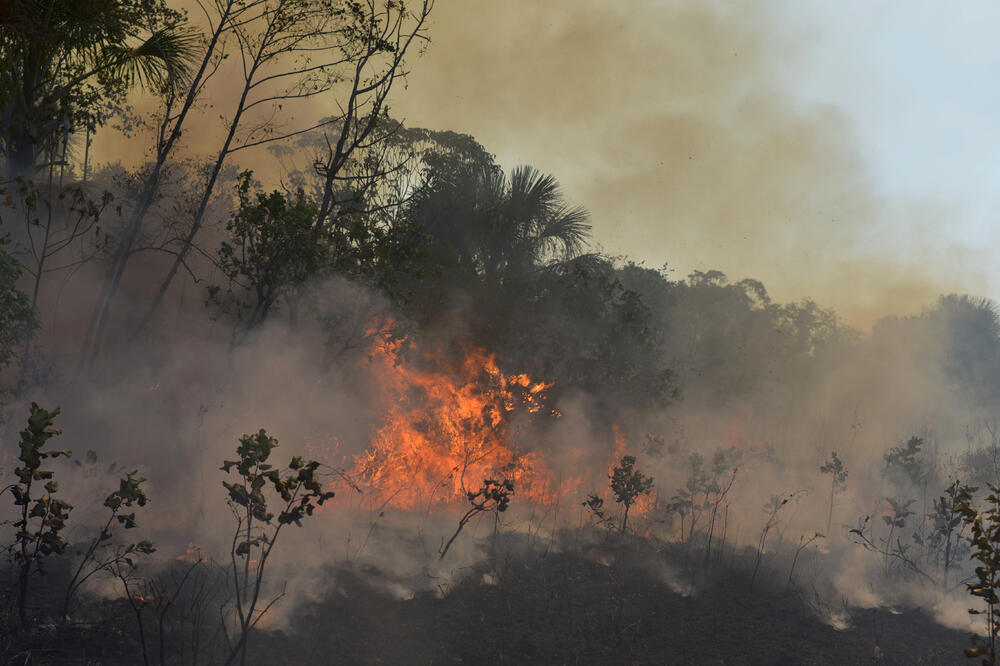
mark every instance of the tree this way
{"type": "Point", "coordinates": [985, 527]}
{"type": "Point", "coordinates": [908, 462]}
{"type": "Point", "coordinates": [576, 323]}
{"type": "Point", "coordinates": [963, 331]}
{"type": "Point", "coordinates": [948, 526]}
{"type": "Point", "coordinates": [271, 249]}
{"type": "Point", "coordinates": [56, 220]}
{"type": "Point", "coordinates": [295, 50]}
{"type": "Point", "coordinates": [17, 317]}
{"type": "Point", "coordinates": [64, 64]}
{"type": "Point", "coordinates": [499, 227]}
{"type": "Point", "coordinates": [838, 477]}
{"type": "Point", "coordinates": [971, 329]}
{"type": "Point", "coordinates": [723, 462]}
{"type": "Point", "coordinates": [684, 502]}
{"type": "Point", "coordinates": [728, 340]}
{"type": "Point", "coordinates": [628, 484]}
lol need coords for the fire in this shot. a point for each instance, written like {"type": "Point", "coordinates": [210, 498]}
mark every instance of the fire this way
{"type": "Point", "coordinates": [620, 443]}
{"type": "Point", "coordinates": [644, 504]}
{"type": "Point", "coordinates": [448, 428]}
{"type": "Point", "coordinates": [191, 554]}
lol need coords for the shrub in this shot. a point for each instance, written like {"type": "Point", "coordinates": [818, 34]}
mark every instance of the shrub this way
{"type": "Point", "coordinates": [627, 484]}
{"type": "Point", "coordinates": [298, 491]}
{"type": "Point", "coordinates": [43, 517]}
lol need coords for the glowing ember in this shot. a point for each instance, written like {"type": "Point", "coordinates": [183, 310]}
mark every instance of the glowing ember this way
{"type": "Point", "coordinates": [448, 429]}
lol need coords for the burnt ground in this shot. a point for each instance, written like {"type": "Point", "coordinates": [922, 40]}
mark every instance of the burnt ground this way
{"type": "Point", "coordinates": [565, 608]}
{"type": "Point", "coordinates": [616, 603]}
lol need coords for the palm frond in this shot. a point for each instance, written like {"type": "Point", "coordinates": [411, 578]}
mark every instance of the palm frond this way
{"type": "Point", "coordinates": [568, 229]}
{"type": "Point", "coordinates": [532, 193]}
{"type": "Point", "coordinates": [492, 187]}
{"type": "Point", "coordinates": [163, 59]}
{"type": "Point", "coordinates": [589, 265]}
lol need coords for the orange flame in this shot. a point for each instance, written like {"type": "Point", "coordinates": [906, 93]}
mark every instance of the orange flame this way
{"type": "Point", "coordinates": [448, 429]}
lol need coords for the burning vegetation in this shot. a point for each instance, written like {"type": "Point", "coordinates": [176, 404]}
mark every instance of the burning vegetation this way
{"type": "Point", "coordinates": [448, 428]}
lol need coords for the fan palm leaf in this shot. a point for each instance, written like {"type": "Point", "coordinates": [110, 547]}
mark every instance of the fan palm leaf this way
{"type": "Point", "coordinates": [58, 58]}
{"type": "Point", "coordinates": [504, 226]}
{"type": "Point", "coordinates": [565, 232]}
{"type": "Point", "coordinates": [162, 59]}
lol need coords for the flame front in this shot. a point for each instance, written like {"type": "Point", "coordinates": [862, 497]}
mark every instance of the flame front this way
{"type": "Point", "coordinates": [449, 429]}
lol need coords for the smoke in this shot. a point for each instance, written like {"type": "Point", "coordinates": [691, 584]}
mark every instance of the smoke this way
{"type": "Point", "coordinates": [676, 124]}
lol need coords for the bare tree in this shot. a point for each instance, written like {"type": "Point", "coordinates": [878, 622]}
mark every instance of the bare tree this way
{"type": "Point", "coordinates": [179, 96]}
{"type": "Point", "coordinates": [292, 50]}
{"type": "Point", "coordinates": [56, 220]}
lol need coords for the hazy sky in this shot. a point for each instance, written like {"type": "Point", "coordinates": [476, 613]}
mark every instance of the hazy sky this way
{"type": "Point", "coordinates": [840, 150]}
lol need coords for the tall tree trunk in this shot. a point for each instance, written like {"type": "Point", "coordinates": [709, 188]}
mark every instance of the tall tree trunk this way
{"type": "Point", "coordinates": [112, 282]}
{"type": "Point", "coordinates": [833, 492]}
{"type": "Point", "coordinates": [199, 216]}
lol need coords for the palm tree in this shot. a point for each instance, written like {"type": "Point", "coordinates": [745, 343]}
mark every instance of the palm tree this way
{"type": "Point", "coordinates": [63, 63]}
{"type": "Point", "coordinates": [500, 227]}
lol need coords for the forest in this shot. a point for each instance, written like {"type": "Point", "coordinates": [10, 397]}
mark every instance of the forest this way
{"type": "Point", "coordinates": [293, 381]}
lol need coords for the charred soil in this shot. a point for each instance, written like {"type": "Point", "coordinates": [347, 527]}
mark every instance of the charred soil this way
{"type": "Point", "coordinates": [616, 602]}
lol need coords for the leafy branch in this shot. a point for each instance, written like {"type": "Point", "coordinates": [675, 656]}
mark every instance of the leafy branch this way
{"type": "Point", "coordinates": [129, 494]}
{"type": "Point", "coordinates": [493, 496]}
{"type": "Point", "coordinates": [43, 518]}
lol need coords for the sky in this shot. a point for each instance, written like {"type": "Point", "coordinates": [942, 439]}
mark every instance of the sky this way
{"type": "Point", "coordinates": [842, 151]}
{"type": "Point", "coordinates": [919, 83]}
